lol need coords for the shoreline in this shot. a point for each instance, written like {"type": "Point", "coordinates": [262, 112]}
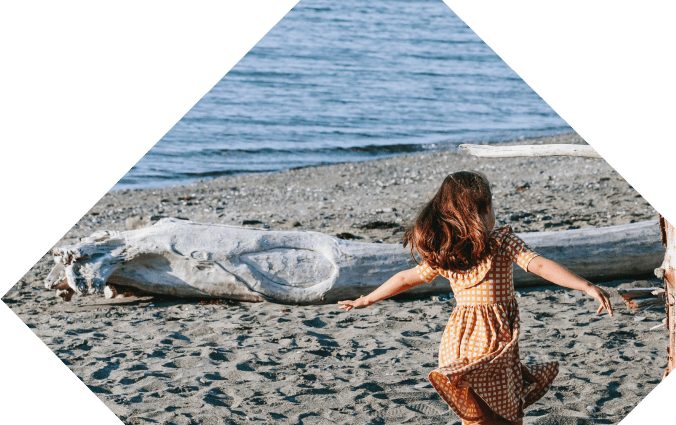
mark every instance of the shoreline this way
{"type": "Point", "coordinates": [155, 360]}
{"type": "Point", "coordinates": [403, 149]}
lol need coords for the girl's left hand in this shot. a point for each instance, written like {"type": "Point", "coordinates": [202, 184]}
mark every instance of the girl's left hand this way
{"type": "Point", "coordinates": [601, 296]}
{"type": "Point", "coordinates": [358, 303]}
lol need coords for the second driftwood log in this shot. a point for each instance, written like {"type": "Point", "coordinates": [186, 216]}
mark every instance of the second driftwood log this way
{"type": "Point", "coordinates": [188, 259]}
{"type": "Point", "coordinates": [492, 151]}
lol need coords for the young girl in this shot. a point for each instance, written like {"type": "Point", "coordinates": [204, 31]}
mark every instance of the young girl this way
{"type": "Point", "coordinates": [480, 375]}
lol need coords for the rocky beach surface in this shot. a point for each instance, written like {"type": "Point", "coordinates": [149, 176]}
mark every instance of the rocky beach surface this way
{"type": "Point", "coordinates": [159, 360]}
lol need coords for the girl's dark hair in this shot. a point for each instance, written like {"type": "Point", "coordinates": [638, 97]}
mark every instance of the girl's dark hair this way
{"type": "Point", "coordinates": [450, 233]}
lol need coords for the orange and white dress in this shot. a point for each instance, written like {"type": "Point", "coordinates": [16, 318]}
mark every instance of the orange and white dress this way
{"type": "Point", "coordinates": [480, 343]}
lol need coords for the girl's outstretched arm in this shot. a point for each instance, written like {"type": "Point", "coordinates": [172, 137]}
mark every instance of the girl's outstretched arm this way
{"type": "Point", "coordinates": [556, 273]}
{"type": "Point", "coordinates": [397, 284]}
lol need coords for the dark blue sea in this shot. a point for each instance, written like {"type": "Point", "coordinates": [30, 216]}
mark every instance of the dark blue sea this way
{"type": "Point", "coordinates": [349, 81]}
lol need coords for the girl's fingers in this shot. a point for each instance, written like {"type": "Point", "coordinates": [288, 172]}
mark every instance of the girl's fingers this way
{"type": "Point", "coordinates": [349, 305]}
{"type": "Point", "coordinates": [344, 305]}
{"type": "Point", "coordinates": [609, 304]}
{"type": "Point", "coordinates": [605, 304]}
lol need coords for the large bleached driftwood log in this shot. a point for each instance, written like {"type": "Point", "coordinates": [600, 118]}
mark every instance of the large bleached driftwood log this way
{"type": "Point", "coordinates": [188, 259]}
{"type": "Point", "coordinates": [491, 151]}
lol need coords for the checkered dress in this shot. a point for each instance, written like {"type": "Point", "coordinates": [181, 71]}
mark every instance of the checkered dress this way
{"type": "Point", "coordinates": [480, 342]}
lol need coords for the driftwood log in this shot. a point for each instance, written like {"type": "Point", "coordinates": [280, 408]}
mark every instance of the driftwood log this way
{"type": "Point", "coordinates": [188, 259]}
{"type": "Point", "coordinates": [491, 151]}
{"type": "Point", "coordinates": [667, 271]}
{"type": "Point", "coordinates": [642, 297]}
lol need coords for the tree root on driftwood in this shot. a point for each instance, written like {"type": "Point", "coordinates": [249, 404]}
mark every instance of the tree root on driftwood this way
{"type": "Point", "coordinates": [667, 271]}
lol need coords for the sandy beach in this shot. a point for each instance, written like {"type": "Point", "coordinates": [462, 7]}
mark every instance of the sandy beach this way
{"type": "Point", "coordinates": [165, 361]}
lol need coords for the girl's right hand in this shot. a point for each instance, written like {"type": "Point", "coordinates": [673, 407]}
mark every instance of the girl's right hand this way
{"type": "Point", "coordinates": [602, 297]}
{"type": "Point", "coordinates": [397, 284]}
{"type": "Point", "coordinates": [358, 303]}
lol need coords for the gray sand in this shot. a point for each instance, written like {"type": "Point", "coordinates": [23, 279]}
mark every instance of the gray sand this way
{"type": "Point", "coordinates": [154, 360]}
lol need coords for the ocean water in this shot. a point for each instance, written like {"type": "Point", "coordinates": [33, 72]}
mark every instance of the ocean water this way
{"type": "Point", "coordinates": [349, 81]}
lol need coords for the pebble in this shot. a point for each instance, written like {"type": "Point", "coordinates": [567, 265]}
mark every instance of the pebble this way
{"type": "Point", "coordinates": [423, 385]}
{"type": "Point", "coordinates": [639, 318]}
{"type": "Point", "coordinates": [592, 409]}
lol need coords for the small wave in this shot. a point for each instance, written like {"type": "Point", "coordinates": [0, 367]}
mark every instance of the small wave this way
{"type": "Point", "coordinates": [219, 173]}
{"type": "Point", "coordinates": [368, 150]}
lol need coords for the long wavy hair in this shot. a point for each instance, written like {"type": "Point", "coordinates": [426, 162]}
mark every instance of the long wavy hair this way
{"type": "Point", "coordinates": [450, 232]}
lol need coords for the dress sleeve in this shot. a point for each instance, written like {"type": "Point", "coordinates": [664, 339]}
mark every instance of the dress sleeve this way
{"type": "Point", "coordinates": [517, 250]}
{"type": "Point", "coordinates": [425, 272]}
